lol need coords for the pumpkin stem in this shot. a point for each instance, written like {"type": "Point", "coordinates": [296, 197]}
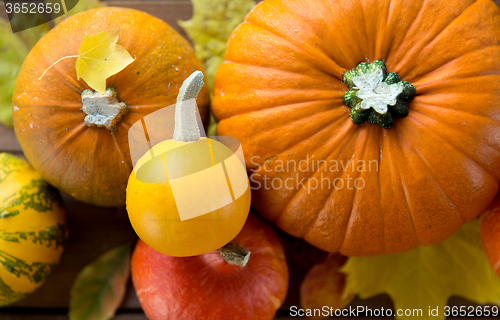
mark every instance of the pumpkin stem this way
{"type": "Point", "coordinates": [375, 95]}
{"type": "Point", "coordinates": [186, 124]}
{"type": "Point", "coordinates": [235, 254]}
{"type": "Point", "coordinates": [103, 110]}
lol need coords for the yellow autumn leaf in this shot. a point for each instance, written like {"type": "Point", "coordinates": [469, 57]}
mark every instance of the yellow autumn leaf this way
{"type": "Point", "coordinates": [426, 277]}
{"type": "Point", "coordinates": [209, 29]}
{"type": "Point", "coordinates": [100, 57]}
{"type": "Point", "coordinates": [212, 23]}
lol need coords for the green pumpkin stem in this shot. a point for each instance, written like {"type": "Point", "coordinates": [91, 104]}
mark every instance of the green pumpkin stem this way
{"type": "Point", "coordinates": [375, 75]}
{"type": "Point", "coordinates": [358, 115]}
{"type": "Point", "coordinates": [363, 68]}
{"type": "Point", "coordinates": [348, 77]}
{"type": "Point", "coordinates": [392, 78]}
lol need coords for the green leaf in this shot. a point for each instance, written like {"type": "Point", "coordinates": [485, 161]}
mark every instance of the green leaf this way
{"type": "Point", "coordinates": [210, 27]}
{"type": "Point", "coordinates": [29, 36]}
{"type": "Point", "coordinates": [100, 287]}
{"type": "Point", "coordinates": [428, 275]}
{"type": "Point", "coordinates": [14, 48]}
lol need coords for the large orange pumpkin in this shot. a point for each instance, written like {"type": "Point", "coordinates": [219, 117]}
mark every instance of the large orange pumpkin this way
{"type": "Point", "coordinates": [280, 91]}
{"type": "Point", "coordinates": [89, 163]}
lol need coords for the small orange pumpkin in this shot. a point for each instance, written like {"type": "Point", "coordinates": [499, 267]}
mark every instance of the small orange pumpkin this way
{"type": "Point", "coordinates": [93, 164]}
{"type": "Point", "coordinates": [287, 93]}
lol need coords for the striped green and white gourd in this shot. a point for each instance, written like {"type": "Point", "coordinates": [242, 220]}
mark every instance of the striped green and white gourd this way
{"type": "Point", "coordinates": [32, 229]}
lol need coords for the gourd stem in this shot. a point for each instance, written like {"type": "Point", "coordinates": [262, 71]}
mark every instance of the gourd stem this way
{"type": "Point", "coordinates": [235, 254]}
{"type": "Point", "coordinates": [186, 124]}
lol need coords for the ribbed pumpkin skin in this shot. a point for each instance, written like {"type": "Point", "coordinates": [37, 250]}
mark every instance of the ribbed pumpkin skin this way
{"type": "Point", "coordinates": [32, 229]}
{"type": "Point", "coordinates": [205, 287]}
{"type": "Point", "coordinates": [280, 93]}
{"type": "Point", "coordinates": [93, 164]}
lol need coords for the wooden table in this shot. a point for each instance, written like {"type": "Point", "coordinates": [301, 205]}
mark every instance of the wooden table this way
{"type": "Point", "coordinates": [95, 230]}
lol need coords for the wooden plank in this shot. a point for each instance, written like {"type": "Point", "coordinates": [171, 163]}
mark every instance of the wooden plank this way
{"type": "Point", "coordinates": [55, 316]}
{"type": "Point", "coordinates": [8, 140]}
{"type": "Point", "coordinates": [170, 11]}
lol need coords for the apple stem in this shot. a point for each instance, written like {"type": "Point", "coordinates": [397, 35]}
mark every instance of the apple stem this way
{"type": "Point", "coordinates": [186, 124]}
{"type": "Point", "coordinates": [235, 254]}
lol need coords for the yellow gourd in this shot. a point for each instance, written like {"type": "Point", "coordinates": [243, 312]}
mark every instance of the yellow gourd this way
{"type": "Point", "coordinates": [203, 201]}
